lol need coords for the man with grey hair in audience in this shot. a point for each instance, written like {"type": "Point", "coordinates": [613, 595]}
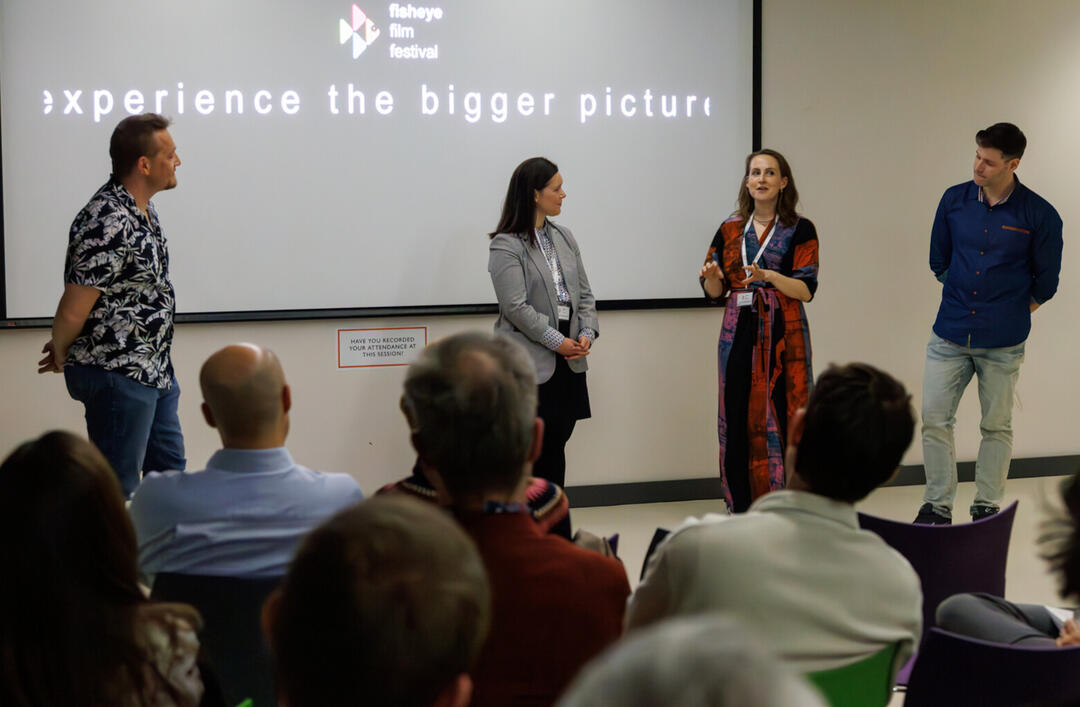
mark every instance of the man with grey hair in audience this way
{"type": "Point", "coordinates": [244, 515]}
{"type": "Point", "coordinates": [701, 661]}
{"type": "Point", "coordinates": [470, 400]}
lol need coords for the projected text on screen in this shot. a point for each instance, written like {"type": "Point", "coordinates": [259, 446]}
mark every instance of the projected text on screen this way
{"type": "Point", "coordinates": [341, 155]}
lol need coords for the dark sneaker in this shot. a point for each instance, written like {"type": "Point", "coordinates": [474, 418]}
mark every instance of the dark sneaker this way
{"type": "Point", "coordinates": [980, 512]}
{"type": "Point", "coordinates": [928, 516]}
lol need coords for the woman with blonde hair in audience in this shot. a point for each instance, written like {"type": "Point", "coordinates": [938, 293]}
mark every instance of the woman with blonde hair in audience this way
{"type": "Point", "coordinates": [75, 628]}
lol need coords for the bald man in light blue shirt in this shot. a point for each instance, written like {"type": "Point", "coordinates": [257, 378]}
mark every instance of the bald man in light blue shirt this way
{"type": "Point", "coordinates": [244, 515]}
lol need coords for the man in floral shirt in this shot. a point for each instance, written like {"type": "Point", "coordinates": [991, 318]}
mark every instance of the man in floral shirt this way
{"type": "Point", "coordinates": [113, 329]}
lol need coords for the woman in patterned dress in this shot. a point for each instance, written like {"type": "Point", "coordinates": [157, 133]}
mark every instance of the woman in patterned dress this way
{"type": "Point", "coordinates": [762, 266]}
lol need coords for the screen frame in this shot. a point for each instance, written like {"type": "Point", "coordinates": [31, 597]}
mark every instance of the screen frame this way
{"type": "Point", "coordinates": [403, 311]}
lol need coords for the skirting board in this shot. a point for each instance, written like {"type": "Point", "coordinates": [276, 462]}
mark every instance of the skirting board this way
{"type": "Point", "coordinates": [699, 489]}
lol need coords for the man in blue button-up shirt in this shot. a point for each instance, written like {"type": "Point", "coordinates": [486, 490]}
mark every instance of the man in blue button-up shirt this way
{"type": "Point", "coordinates": [244, 515]}
{"type": "Point", "coordinates": [996, 249]}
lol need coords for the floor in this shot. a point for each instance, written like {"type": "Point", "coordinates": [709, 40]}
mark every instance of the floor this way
{"type": "Point", "coordinates": [1027, 579]}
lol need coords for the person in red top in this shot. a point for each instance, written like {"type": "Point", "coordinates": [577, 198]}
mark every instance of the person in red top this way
{"type": "Point", "coordinates": [470, 400]}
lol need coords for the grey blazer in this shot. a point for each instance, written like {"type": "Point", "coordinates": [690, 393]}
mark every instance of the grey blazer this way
{"type": "Point", "coordinates": [528, 304]}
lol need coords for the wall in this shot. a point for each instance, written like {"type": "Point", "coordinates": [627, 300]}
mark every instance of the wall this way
{"type": "Point", "coordinates": [875, 105]}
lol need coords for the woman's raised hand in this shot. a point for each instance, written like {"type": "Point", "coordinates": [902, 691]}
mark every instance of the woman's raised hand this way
{"type": "Point", "coordinates": [712, 271]}
{"type": "Point", "coordinates": [753, 272]}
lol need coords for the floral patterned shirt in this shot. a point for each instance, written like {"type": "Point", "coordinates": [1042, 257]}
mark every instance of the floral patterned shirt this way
{"type": "Point", "coordinates": [117, 249]}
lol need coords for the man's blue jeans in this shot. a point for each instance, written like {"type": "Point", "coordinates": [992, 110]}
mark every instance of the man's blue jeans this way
{"type": "Point", "coordinates": [135, 426]}
{"type": "Point", "coordinates": [949, 368]}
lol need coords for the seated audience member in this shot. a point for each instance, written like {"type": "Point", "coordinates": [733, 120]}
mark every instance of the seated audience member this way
{"type": "Point", "coordinates": [75, 629]}
{"type": "Point", "coordinates": [244, 515]}
{"type": "Point", "coordinates": [470, 401]}
{"type": "Point", "coordinates": [796, 568]}
{"type": "Point", "coordinates": [699, 661]}
{"type": "Point", "coordinates": [544, 499]}
{"type": "Point", "coordinates": [385, 604]}
{"type": "Point", "coordinates": [992, 618]}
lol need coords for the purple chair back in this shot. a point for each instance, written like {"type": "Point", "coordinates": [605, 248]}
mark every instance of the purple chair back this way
{"type": "Point", "coordinates": [951, 559]}
{"type": "Point", "coordinates": [658, 537]}
{"type": "Point", "coordinates": [958, 671]}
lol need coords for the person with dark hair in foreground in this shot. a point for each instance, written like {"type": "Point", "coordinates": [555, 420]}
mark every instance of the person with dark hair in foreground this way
{"type": "Point", "coordinates": [470, 400]}
{"type": "Point", "coordinates": [245, 514]}
{"type": "Point", "coordinates": [992, 618]}
{"type": "Point", "coordinates": [545, 303]}
{"type": "Point", "coordinates": [386, 603]}
{"type": "Point", "coordinates": [762, 266]}
{"type": "Point", "coordinates": [796, 568]}
{"type": "Point", "coordinates": [113, 329]}
{"type": "Point", "coordinates": [996, 248]}
{"type": "Point", "coordinates": [75, 628]}
{"type": "Point", "coordinates": [697, 661]}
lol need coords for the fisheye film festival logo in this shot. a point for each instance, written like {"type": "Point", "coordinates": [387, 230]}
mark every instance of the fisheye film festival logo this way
{"type": "Point", "coordinates": [361, 30]}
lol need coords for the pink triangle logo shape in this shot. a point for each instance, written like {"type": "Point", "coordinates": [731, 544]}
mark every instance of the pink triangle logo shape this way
{"type": "Point", "coordinates": [358, 18]}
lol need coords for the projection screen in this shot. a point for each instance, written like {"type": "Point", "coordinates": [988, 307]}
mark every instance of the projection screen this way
{"type": "Point", "coordinates": [353, 157]}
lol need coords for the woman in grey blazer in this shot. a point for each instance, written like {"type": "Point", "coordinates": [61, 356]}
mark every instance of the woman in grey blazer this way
{"type": "Point", "coordinates": [545, 303]}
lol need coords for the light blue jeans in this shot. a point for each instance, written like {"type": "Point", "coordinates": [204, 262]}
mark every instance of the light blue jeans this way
{"type": "Point", "coordinates": [949, 368]}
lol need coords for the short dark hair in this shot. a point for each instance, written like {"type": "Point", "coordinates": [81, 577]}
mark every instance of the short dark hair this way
{"type": "Point", "coordinates": [519, 207]}
{"type": "Point", "coordinates": [386, 603]}
{"type": "Point", "coordinates": [1005, 137]}
{"type": "Point", "coordinates": [858, 424]}
{"type": "Point", "coordinates": [133, 138]}
{"type": "Point", "coordinates": [1060, 539]}
{"type": "Point", "coordinates": [470, 400]}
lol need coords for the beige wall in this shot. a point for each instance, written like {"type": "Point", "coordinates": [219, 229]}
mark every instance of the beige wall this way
{"type": "Point", "coordinates": [876, 105]}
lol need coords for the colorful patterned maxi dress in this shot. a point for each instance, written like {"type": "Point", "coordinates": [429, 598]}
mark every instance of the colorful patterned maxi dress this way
{"type": "Point", "coordinates": [763, 356]}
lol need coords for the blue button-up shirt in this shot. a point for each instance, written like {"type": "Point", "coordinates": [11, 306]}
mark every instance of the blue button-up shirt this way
{"type": "Point", "coordinates": [241, 517]}
{"type": "Point", "coordinates": [994, 261]}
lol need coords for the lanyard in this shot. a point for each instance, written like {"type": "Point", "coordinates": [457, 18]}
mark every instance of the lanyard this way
{"type": "Point", "coordinates": [496, 507]}
{"type": "Point", "coordinates": [769, 231]}
{"type": "Point", "coordinates": [562, 293]}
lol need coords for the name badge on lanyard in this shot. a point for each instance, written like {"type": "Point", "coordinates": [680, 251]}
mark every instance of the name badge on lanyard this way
{"type": "Point", "coordinates": [743, 298]}
{"type": "Point", "coordinates": [769, 231]}
{"type": "Point", "coordinates": [564, 313]}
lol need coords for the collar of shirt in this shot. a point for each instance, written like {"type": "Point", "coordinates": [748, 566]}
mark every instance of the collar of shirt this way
{"type": "Point", "coordinates": [122, 195]}
{"type": "Point", "coordinates": [499, 507]}
{"type": "Point", "coordinates": [503, 526]}
{"type": "Point", "coordinates": [787, 500]}
{"type": "Point", "coordinates": [551, 255]}
{"type": "Point", "coordinates": [547, 248]}
{"type": "Point", "coordinates": [980, 195]}
{"type": "Point", "coordinates": [251, 460]}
